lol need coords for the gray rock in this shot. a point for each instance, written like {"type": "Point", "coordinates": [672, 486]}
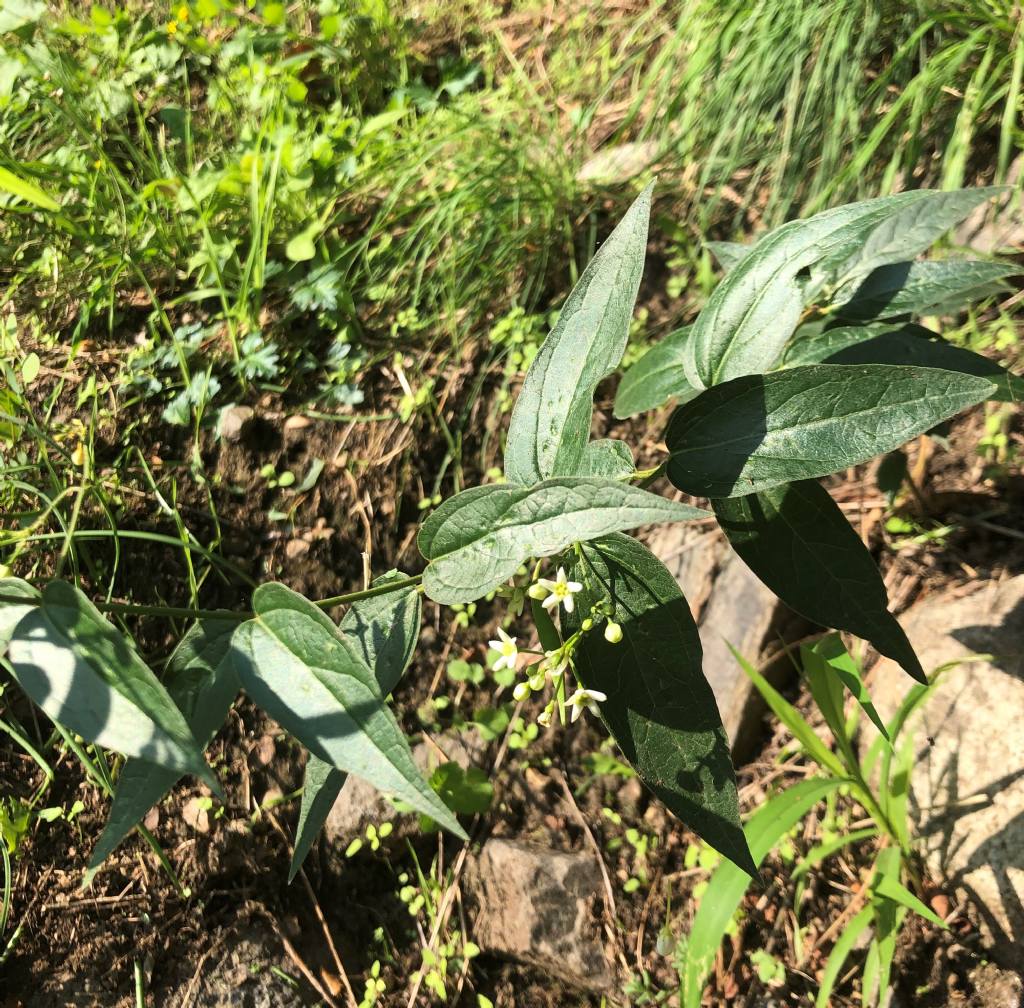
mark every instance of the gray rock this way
{"type": "Point", "coordinates": [540, 907]}
{"type": "Point", "coordinates": [360, 804]}
{"type": "Point", "coordinates": [240, 976]}
{"type": "Point", "coordinates": [967, 786]}
{"type": "Point", "coordinates": [731, 606]}
{"type": "Point", "coordinates": [232, 422]}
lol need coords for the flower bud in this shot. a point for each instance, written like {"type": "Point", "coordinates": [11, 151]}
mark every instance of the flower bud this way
{"type": "Point", "coordinates": [587, 624]}
{"type": "Point", "coordinates": [537, 591]}
{"type": "Point", "coordinates": [612, 632]}
{"type": "Point", "coordinates": [522, 691]}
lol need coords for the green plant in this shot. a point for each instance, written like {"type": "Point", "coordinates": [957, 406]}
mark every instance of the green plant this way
{"type": "Point", "coordinates": [878, 781]}
{"type": "Point", "coordinates": [752, 437]}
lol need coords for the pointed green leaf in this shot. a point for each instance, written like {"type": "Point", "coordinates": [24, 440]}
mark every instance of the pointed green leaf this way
{"type": "Point", "coordinates": [912, 345]}
{"type": "Point", "coordinates": [815, 344]}
{"type": "Point", "coordinates": [478, 538]}
{"type": "Point", "coordinates": [798, 542]}
{"type": "Point", "coordinates": [840, 953]}
{"type": "Point", "coordinates": [608, 457]}
{"type": "Point", "coordinates": [27, 191]}
{"type": "Point", "coordinates": [917, 288]}
{"type": "Point", "coordinates": [660, 708]}
{"type": "Point", "coordinates": [893, 889]}
{"type": "Point", "coordinates": [831, 652]}
{"type": "Point", "coordinates": [766, 827]}
{"type": "Point", "coordinates": [792, 719]}
{"type": "Point", "coordinates": [728, 254]}
{"type": "Point", "coordinates": [654, 379]}
{"type": "Point", "coordinates": [321, 785]}
{"type": "Point", "coordinates": [296, 664]}
{"type": "Point", "coordinates": [202, 683]}
{"type": "Point", "coordinates": [384, 631]}
{"type": "Point", "coordinates": [550, 423]}
{"type": "Point", "coordinates": [756, 432]}
{"type": "Point", "coordinates": [902, 227]}
{"type": "Point", "coordinates": [12, 612]}
{"type": "Point", "coordinates": [754, 310]}
{"type": "Point", "coordinates": [83, 673]}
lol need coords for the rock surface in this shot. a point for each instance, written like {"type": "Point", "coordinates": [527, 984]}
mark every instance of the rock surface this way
{"type": "Point", "coordinates": [967, 786]}
{"type": "Point", "coordinates": [541, 907]}
{"type": "Point", "coordinates": [731, 606]}
{"type": "Point", "coordinates": [996, 988]}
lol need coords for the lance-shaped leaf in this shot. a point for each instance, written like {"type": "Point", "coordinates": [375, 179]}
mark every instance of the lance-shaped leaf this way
{"type": "Point", "coordinates": [753, 311]}
{"type": "Point", "coordinates": [917, 346]}
{"type": "Point", "coordinates": [659, 706]}
{"type": "Point", "coordinates": [478, 538]}
{"type": "Point", "coordinates": [756, 432]}
{"type": "Point", "coordinates": [817, 345]}
{"type": "Point", "coordinates": [907, 225]}
{"type": "Point", "coordinates": [657, 377]}
{"type": "Point", "coordinates": [798, 542]}
{"type": "Point", "coordinates": [728, 254]}
{"type": "Point", "coordinates": [916, 288]}
{"type": "Point", "coordinates": [383, 630]}
{"type": "Point", "coordinates": [85, 675]}
{"type": "Point", "coordinates": [608, 457]}
{"type": "Point", "coordinates": [307, 675]}
{"type": "Point", "coordinates": [550, 424]}
{"type": "Point", "coordinates": [202, 683]}
{"type": "Point", "coordinates": [12, 612]}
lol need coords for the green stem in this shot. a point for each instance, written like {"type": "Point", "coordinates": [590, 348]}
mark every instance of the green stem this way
{"type": "Point", "coordinates": [172, 612]}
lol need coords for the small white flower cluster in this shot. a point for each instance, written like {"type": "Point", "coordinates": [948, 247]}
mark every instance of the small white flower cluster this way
{"type": "Point", "coordinates": [552, 668]}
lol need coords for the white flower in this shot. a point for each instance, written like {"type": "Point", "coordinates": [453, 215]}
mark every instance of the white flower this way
{"type": "Point", "coordinates": [554, 665]}
{"type": "Point", "coordinates": [522, 691]}
{"type": "Point", "coordinates": [562, 591]}
{"type": "Point", "coordinates": [544, 718]}
{"type": "Point", "coordinates": [507, 651]}
{"type": "Point", "coordinates": [612, 632]}
{"type": "Point", "coordinates": [588, 698]}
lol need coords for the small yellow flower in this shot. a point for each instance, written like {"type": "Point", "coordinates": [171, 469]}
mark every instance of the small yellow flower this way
{"type": "Point", "coordinates": [182, 13]}
{"type": "Point", "coordinates": [172, 27]}
{"type": "Point", "coordinates": [78, 455]}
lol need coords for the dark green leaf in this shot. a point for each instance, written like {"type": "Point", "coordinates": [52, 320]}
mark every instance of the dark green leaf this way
{"type": "Point", "coordinates": [550, 424]}
{"type": "Point", "coordinates": [202, 683]}
{"type": "Point", "coordinates": [767, 826]}
{"type": "Point", "coordinates": [798, 542]}
{"type": "Point", "coordinates": [654, 379]}
{"type": "Point", "coordinates": [912, 345]}
{"type": "Point", "coordinates": [756, 432]}
{"type": "Point", "coordinates": [321, 785]}
{"type": "Point", "coordinates": [478, 538]}
{"type": "Point", "coordinates": [917, 288]}
{"type": "Point", "coordinates": [814, 344]}
{"type": "Point", "coordinates": [660, 708]}
{"type": "Point", "coordinates": [296, 664]}
{"type": "Point", "coordinates": [86, 676]}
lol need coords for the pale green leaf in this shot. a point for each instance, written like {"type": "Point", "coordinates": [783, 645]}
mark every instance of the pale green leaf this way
{"type": "Point", "coordinates": [755, 432]}
{"type": "Point", "coordinates": [477, 539]}
{"type": "Point", "coordinates": [295, 664]}
{"type": "Point", "coordinates": [25, 190]}
{"type": "Point", "coordinates": [84, 674]}
{"type": "Point", "coordinates": [728, 254]}
{"type": "Point", "coordinates": [12, 612]}
{"type": "Point", "coordinates": [202, 683]}
{"type": "Point", "coordinates": [608, 457]}
{"type": "Point", "coordinates": [550, 423]}
{"type": "Point", "coordinates": [848, 937]}
{"type": "Point", "coordinates": [321, 785]}
{"type": "Point", "coordinates": [831, 652]}
{"type": "Point", "coordinates": [660, 708]}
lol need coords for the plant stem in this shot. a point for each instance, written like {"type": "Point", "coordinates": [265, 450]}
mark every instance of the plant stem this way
{"type": "Point", "coordinates": [172, 612]}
